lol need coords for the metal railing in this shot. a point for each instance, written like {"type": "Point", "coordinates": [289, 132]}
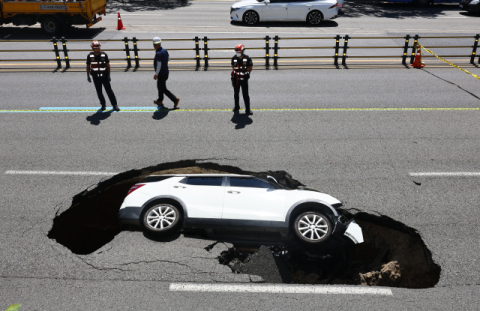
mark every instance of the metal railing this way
{"type": "Point", "coordinates": [341, 48]}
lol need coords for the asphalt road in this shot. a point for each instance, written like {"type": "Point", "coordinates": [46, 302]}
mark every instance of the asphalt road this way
{"type": "Point", "coordinates": [362, 156]}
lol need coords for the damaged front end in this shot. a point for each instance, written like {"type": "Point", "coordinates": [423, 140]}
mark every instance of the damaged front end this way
{"type": "Point", "coordinates": [348, 228]}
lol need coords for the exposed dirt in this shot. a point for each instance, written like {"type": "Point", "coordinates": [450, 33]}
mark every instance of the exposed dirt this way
{"type": "Point", "coordinates": [392, 255]}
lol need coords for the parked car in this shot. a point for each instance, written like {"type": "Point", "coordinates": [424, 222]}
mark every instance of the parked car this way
{"type": "Point", "coordinates": [472, 6]}
{"type": "Point", "coordinates": [313, 12]}
{"type": "Point", "coordinates": [241, 207]}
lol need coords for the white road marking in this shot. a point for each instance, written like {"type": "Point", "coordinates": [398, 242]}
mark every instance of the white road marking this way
{"type": "Point", "coordinates": [11, 172]}
{"type": "Point", "coordinates": [279, 289]}
{"type": "Point", "coordinates": [446, 174]}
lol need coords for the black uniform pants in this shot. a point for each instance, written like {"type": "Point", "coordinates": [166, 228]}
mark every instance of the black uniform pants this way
{"type": "Point", "coordinates": [236, 94]}
{"type": "Point", "coordinates": [162, 89]}
{"type": "Point", "coordinates": [103, 80]}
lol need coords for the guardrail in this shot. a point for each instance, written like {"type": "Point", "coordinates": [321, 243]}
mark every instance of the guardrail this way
{"type": "Point", "coordinates": [341, 48]}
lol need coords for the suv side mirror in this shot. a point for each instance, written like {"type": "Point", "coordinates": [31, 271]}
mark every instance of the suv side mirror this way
{"type": "Point", "coordinates": [267, 2]}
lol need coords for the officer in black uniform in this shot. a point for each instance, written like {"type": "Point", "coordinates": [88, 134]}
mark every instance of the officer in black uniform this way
{"type": "Point", "coordinates": [242, 65]}
{"type": "Point", "coordinates": [99, 66]}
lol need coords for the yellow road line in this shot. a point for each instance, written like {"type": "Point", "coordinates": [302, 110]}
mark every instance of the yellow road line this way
{"type": "Point", "coordinates": [257, 109]}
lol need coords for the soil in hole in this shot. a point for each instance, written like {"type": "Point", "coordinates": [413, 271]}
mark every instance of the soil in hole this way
{"type": "Point", "coordinates": [392, 255]}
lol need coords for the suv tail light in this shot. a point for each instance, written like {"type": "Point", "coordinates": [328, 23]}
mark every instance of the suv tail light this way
{"type": "Point", "coordinates": [336, 4]}
{"type": "Point", "coordinates": [135, 187]}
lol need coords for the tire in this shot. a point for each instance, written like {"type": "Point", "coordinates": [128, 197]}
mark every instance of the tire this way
{"type": "Point", "coordinates": [51, 25]}
{"type": "Point", "coordinates": [161, 219]}
{"type": "Point", "coordinates": [251, 18]}
{"type": "Point", "coordinates": [315, 18]}
{"type": "Point", "coordinates": [312, 228]}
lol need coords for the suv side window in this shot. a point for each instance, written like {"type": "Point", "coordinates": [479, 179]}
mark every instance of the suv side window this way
{"type": "Point", "coordinates": [204, 181]}
{"type": "Point", "coordinates": [249, 182]}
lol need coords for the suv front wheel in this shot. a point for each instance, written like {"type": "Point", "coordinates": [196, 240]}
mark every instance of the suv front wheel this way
{"type": "Point", "coordinates": [312, 228]}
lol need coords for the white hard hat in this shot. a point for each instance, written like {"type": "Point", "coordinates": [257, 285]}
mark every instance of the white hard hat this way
{"type": "Point", "coordinates": [157, 40]}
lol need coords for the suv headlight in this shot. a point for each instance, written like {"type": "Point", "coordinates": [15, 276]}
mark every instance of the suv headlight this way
{"type": "Point", "coordinates": [236, 9]}
{"type": "Point", "coordinates": [474, 2]}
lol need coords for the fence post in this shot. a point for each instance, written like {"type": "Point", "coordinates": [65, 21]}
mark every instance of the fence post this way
{"type": "Point", "coordinates": [65, 53]}
{"type": "Point", "coordinates": [275, 51]}
{"type": "Point", "coordinates": [57, 53]}
{"type": "Point", "coordinates": [405, 50]}
{"type": "Point", "coordinates": [414, 49]}
{"type": "Point", "coordinates": [267, 51]}
{"type": "Point", "coordinates": [197, 52]}
{"type": "Point", "coordinates": [337, 48]}
{"type": "Point", "coordinates": [127, 50]}
{"type": "Point", "coordinates": [345, 47]}
{"type": "Point", "coordinates": [135, 52]}
{"type": "Point", "coordinates": [205, 51]}
{"type": "Point", "coordinates": [474, 51]}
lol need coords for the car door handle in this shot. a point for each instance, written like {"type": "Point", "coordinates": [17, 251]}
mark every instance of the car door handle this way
{"type": "Point", "coordinates": [179, 187]}
{"type": "Point", "coordinates": [233, 191]}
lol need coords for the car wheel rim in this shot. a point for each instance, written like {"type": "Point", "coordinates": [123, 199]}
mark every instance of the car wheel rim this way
{"type": "Point", "coordinates": [50, 26]}
{"type": "Point", "coordinates": [161, 217]}
{"type": "Point", "coordinates": [313, 227]}
{"type": "Point", "coordinates": [251, 18]}
{"type": "Point", "coordinates": [315, 18]}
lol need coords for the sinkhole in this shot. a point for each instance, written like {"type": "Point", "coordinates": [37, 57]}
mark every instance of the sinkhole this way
{"type": "Point", "coordinates": [393, 254]}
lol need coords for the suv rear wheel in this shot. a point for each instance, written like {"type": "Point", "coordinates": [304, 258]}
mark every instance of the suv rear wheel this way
{"type": "Point", "coordinates": [161, 219]}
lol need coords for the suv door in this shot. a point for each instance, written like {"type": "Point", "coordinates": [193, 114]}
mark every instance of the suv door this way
{"type": "Point", "coordinates": [250, 198]}
{"type": "Point", "coordinates": [298, 10]}
{"type": "Point", "coordinates": [202, 195]}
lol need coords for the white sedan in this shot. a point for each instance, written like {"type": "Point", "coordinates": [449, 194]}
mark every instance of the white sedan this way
{"type": "Point", "coordinates": [237, 207]}
{"type": "Point", "coordinates": [312, 12]}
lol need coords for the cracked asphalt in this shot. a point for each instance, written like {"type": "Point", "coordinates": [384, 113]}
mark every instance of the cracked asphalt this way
{"type": "Point", "coordinates": [361, 157]}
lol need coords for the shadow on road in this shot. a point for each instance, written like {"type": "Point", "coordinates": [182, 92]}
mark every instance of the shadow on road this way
{"type": "Point", "coordinates": [26, 33]}
{"type": "Point", "coordinates": [241, 120]}
{"type": "Point", "coordinates": [396, 10]}
{"type": "Point", "coordinates": [114, 6]}
{"type": "Point", "coordinates": [160, 114]}
{"type": "Point", "coordinates": [324, 24]}
{"type": "Point", "coordinates": [99, 116]}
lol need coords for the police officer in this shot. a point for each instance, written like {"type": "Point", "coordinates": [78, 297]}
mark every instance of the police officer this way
{"type": "Point", "coordinates": [99, 66]}
{"type": "Point", "coordinates": [160, 63]}
{"type": "Point", "coordinates": [242, 65]}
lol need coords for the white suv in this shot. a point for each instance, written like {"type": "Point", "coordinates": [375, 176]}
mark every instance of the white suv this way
{"type": "Point", "coordinates": [240, 207]}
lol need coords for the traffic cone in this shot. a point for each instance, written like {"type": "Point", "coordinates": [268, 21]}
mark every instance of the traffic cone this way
{"type": "Point", "coordinates": [417, 63]}
{"type": "Point", "coordinates": [120, 24]}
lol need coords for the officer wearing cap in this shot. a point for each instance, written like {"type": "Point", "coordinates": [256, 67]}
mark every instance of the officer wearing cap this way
{"type": "Point", "coordinates": [242, 65]}
{"type": "Point", "coordinates": [160, 63]}
{"type": "Point", "coordinates": [98, 66]}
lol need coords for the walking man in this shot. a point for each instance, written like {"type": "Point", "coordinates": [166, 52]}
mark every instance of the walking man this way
{"type": "Point", "coordinates": [242, 65]}
{"type": "Point", "coordinates": [99, 66]}
{"type": "Point", "coordinates": [160, 64]}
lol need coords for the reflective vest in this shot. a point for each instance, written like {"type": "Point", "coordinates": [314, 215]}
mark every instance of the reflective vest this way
{"type": "Point", "coordinates": [240, 68]}
{"type": "Point", "coordinates": [98, 67]}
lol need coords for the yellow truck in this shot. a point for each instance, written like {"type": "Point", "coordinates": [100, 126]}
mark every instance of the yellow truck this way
{"type": "Point", "coordinates": [55, 16]}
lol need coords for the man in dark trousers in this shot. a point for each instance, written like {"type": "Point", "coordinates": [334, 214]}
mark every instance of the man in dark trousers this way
{"type": "Point", "coordinates": [242, 65]}
{"type": "Point", "coordinates": [160, 64]}
{"type": "Point", "coordinates": [99, 66]}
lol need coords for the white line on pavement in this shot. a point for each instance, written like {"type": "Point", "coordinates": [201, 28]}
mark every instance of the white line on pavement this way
{"type": "Point", "coordinates": [446, 174]}
{"type": "Point", "coordinates": [279, 288]}
{"type": "Point", "coordinates": [59, 173]}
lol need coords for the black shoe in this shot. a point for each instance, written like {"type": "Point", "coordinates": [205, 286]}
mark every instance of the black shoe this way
{"type": "Point", "coordinates": [236, 109]}
{"type": "Point", "coordinates": [116, 108]}
{"type": "Point", "coordinates": [249, 113]}
{"type": "Point", "coordinates": [103, 108]}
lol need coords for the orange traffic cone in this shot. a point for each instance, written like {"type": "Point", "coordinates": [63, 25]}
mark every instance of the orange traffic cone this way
{"type": "Point", "coordinates": [120, 24]}
{"type": "Point", "coordinates": [417, 63]}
